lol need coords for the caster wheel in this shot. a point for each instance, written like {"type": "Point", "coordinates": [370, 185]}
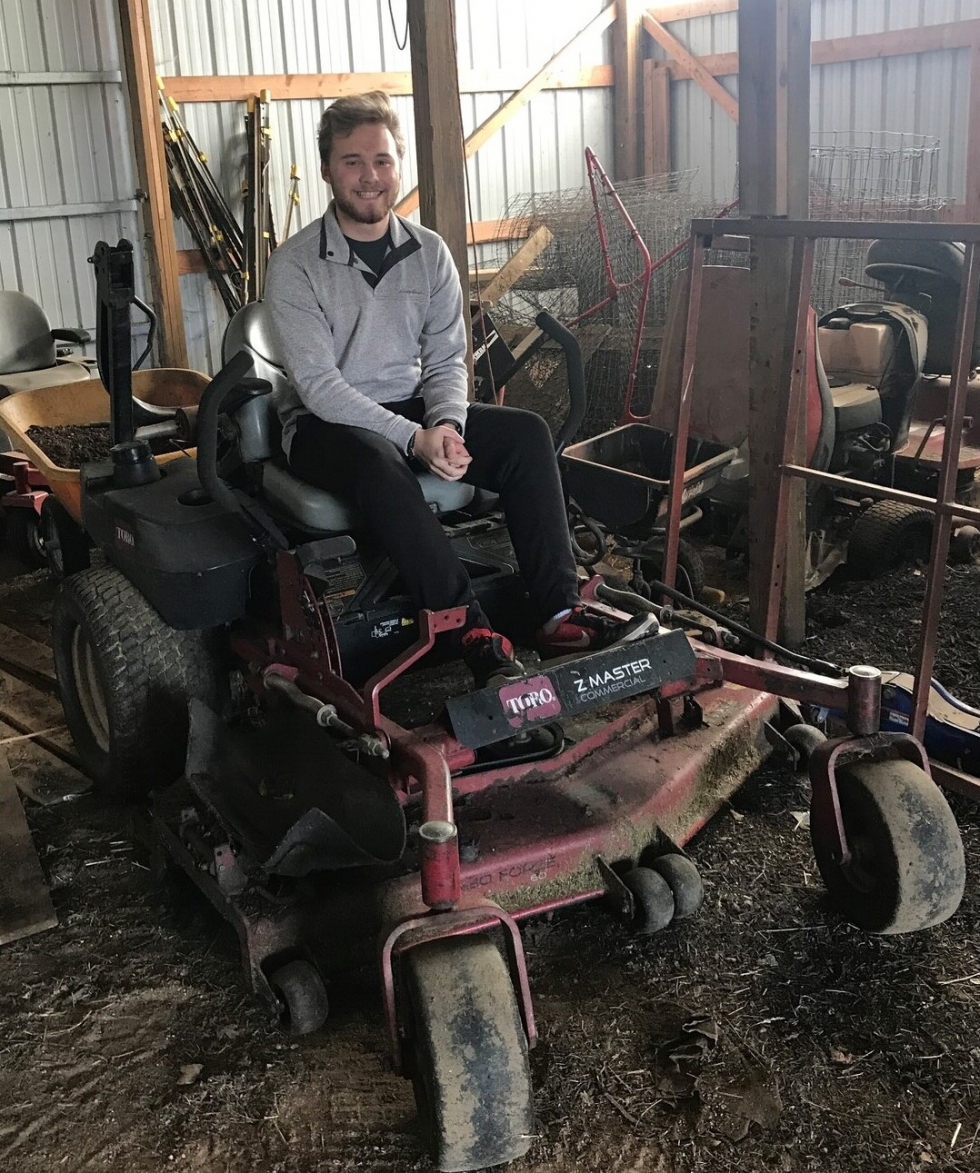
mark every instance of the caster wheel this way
{"type": "Point", "coordinates": [653, 898]}
{"type": "Point", "coordinates": [804, 739]}
{"type": "Point", "coordinates": [684, 881]}
{"type": "Point", "coordinates": [907, 869]}
{"type": "Point", "coordinates": [468, 1054]}
{"type": "Point", "coordinates": [301, 996]}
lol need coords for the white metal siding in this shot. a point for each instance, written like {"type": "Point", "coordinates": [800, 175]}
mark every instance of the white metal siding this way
{"type": "Point", "coordinates": [67, 175]}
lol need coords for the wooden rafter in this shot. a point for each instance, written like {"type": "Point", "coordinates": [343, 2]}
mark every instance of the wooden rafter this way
{"type": "Point", "coordinates": [672, 46]}
{"type": "Point", "coordinates": [518, 101]}
{"type": "Point", "coordinates": [158, 224]}
{"type": "Point", "coordinates": [287, 86]}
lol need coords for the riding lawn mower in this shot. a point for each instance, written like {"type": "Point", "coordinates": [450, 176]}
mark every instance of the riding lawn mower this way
{"type": "Point", "coordinates": [229, 663]}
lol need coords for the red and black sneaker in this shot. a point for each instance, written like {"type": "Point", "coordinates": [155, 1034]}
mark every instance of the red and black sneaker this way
{"type": "Point", "coordinates": [490, 657]}
{"type": "Point", "coordinates": [587, 631]}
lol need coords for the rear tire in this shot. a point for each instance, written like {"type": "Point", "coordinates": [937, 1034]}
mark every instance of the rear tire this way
{"type": "Point", "coordinates": [125, 678]}
{"type": "Point", "coordinates": [690, 569]}
{"type": "Point", "coordinates": [887, 534]}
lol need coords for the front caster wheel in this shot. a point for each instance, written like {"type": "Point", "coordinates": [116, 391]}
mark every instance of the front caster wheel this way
{"type": "Point", "coordinates": [907, 870]}
{"type": "Point", "coordinates": [653, 900]}
{"type": "Point", "coordinates": [469, 1055]}
{"type": "Point", "coordinates": [299, 990]}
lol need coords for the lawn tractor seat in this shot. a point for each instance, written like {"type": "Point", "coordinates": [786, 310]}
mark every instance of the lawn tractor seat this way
{"type": "Point", "coordinates": [926, 275]}
{"type": "Point", "coordinates": [257, 441]}
{"type": "Point", "coordinates": [28, 351]}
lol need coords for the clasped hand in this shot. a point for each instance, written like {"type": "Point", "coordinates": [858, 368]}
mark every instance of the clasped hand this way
{"type": "Point", "coordinates": [442, 451]}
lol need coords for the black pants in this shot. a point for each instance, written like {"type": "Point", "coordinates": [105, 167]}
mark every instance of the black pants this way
{"type": "Point", "coordinates": [513, 456]}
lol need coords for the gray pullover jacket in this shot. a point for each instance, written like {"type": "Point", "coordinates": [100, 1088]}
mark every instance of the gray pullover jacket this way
{"type": "Point", "coordinates": [348, 348]}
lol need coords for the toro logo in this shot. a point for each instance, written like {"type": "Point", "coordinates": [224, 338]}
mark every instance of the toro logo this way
{"type": "Point", "coordinates": [530, 700]}
{"type": "Point", "coordinates": [125, 537]}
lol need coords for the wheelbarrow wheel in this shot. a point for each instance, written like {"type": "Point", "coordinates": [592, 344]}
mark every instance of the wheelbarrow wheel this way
{"type": "Point", "coordinates": [65, 544]}
{"type": "Point", "coordinates": [302, 997]}
{"type": "Point", "coordinates": [652, 898]}
{"type": "Point", "coordinates": [469, 1057]}
{"type": "Point", "coordinates": [690, 569]}
{"type": "Point", "coordinates": [907, 870]}
{"type": "Point", "coordinates": [23, 536]}
{"type": "Point", "coordinates": [125, 678]}
{"type": "Point", "coordinates": [684, 881]}
{"type": "Point", "coordinates": [887, 534]}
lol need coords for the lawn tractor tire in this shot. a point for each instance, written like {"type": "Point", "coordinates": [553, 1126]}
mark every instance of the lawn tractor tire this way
{"type": "Point", "coordinates": [887, 534]}
{"type": "Point", "coordinates": [65, 544]}
{"type": "Point", "coordinates": [23, 535]}
{"type": "Point", "coordinates": [125, 678]}
{"type": "Point", "coordinates": [690, 576]}
{"type": "Point", "coordinates": [907, 869]}
{"type": "Point", "coordinates": [467, 1054]}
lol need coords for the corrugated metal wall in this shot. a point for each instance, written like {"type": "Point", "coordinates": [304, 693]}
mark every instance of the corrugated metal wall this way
{"type": "Point", "coordinates": [924, 94]}
{"type": "Point", "coordinates": [67, 175]}
{"type": "Point", "coordinates": [541, 149]}
{"type": "Point", "coordinates": [66, 161]}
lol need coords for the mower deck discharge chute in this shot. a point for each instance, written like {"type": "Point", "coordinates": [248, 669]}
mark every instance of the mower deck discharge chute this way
{"type": "Point", "coordinates": [231, 640]}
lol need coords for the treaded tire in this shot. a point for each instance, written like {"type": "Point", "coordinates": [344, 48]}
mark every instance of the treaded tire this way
{"type": "Point", "coordinates": [907, 870]}
{"type": "Point", "coordinates": [470, 1064]}
{"type": "Point", "coordinates": [690, 569]}
{"type": "Point", "coordinates": [124, 678]}
{"type": "Point", "coordinates": [887, 534]}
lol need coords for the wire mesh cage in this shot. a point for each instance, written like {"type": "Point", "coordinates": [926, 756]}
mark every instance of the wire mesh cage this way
{"type": "Point", "coordinates": [871, 175]}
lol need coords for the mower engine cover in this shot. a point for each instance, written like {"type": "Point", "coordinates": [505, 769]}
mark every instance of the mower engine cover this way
{"type": "Point", "coordinates": [190, 557]}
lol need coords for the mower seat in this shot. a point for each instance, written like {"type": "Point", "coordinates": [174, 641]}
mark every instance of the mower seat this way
{"type": "Point", "coordinates": [28, 356]}
{"type": "Point", "coordinates": [259, 442]}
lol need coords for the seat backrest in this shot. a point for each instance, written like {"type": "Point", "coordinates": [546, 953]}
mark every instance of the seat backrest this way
{"type": "Point", "coordinates": [257, 420]}
{"type": "Point", "coordinates": [25, 334]}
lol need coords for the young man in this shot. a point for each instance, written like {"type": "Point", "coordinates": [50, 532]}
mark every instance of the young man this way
{"type": "Point", "coordinates": [368, 311]}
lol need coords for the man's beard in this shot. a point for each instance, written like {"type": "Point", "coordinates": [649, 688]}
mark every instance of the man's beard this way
{"type": "Point", "coordinates": [373, 214]}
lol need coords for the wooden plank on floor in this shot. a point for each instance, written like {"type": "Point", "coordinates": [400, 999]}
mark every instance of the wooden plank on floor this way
{"type": "Point", "coordinates": [40, 775]}
{"type": "Point", "coordinates": [27, 655]}
{"type": "Point", "coordinates": [25, 902]}
{"type": "Point", "coordinates": [28, 709]}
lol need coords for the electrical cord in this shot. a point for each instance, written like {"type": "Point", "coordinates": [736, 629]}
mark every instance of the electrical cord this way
{"type": "Point", "coordinates": [404, 38]}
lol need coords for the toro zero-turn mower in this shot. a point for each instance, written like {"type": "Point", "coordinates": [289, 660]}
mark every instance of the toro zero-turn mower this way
{"type": "Point", "coordinates": [232, 665]}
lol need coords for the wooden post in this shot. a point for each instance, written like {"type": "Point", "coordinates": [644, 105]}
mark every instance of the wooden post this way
{"type": "Point", "coordinates": [773, 151]}
{"type": "Point", "coordinates": [656, 117]}
{"type": "Point", "coordinates": [159, 244]}
{"type": "Point", "coordinates": [627, 109]}
{"type": "Point", "coordinates": [438, 126]}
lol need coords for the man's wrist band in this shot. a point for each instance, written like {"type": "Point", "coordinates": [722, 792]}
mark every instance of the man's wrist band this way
{"type": "Point", "coordinates": [410, 446]}
{"type": "Point", "coordinates": [449, 424]}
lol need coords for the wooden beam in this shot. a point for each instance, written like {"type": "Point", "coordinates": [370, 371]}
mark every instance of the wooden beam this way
{"type": "Point", "coordinates": [693, 67]}
{"type": "Point", "coordinates": [151, 164]}
{"type": "Point", "coordinates": [518, 265]}
{"type": "Point", "coordinates": [439, 133]}
{"type": "Point", "coordinates": [773, 144]}
{"type": "Point", "coordinates": [286, 86]}
{"type": "Point", "coordinates": [627, 106]}
{"type": "Point", "coordinates": [518, 101]}
{"type": "Point", "coordinates": [656, 117]}
{"type": "Point", "coordinates": [930, 38]}
{"type": "Point", "coordinates": [665, 13]}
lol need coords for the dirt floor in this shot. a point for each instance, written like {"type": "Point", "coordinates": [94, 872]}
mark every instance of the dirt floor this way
{"type": "Point", "coordinates": [762, 1035]}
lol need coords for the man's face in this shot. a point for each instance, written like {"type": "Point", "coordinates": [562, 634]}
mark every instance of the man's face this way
{"type": "Point", "coordinates": [363, 173]}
